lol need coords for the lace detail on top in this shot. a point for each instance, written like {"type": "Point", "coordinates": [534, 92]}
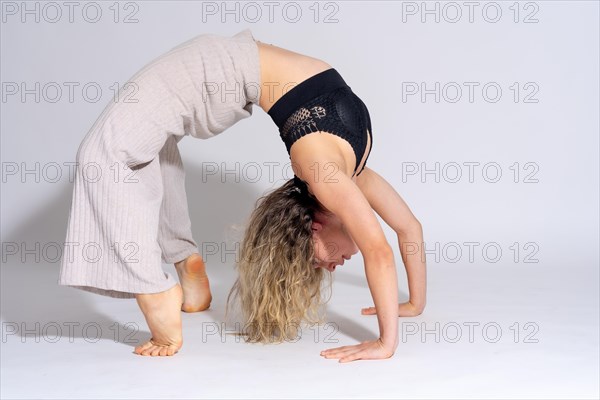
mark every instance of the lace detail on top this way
{"type": "Point", "coordinates": [339, 112]}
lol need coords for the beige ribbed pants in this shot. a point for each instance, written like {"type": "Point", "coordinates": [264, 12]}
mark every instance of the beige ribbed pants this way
{"type": "Point", "coordinates": [145, 207]}
{"type": "Point", "coordinates": [129, 210]}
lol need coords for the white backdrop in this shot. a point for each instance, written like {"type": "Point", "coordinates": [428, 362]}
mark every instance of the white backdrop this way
{"type": "Point", "coordinates": [485, 119]}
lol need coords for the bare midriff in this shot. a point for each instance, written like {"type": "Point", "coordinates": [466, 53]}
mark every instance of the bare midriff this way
{"type": "Point", "coordinates": [281, 70]}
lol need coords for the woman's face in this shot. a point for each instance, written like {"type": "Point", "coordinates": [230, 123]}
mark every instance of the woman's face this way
{"type": "Point", "coordinates": [332, 242]}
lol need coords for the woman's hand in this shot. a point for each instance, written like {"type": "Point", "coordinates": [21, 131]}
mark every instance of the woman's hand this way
{"type": "Point", "coordinates": [369, 350]}
{"type": "Point", "coordinates": [404, 310]}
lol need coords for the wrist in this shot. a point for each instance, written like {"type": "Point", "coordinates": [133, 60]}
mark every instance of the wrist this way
{"type": "Point", "coordinates": [388, 343]}
{"type": "Point", "coordinates": [419, 306]}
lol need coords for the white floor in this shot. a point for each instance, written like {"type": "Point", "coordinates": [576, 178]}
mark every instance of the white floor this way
{"type": "Point", "coordinates": [524, 330]}
{"type": "Point", "coordinates": [547, 348]}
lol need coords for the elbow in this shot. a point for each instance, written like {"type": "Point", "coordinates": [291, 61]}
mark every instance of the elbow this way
{"type": "Point", "coordinates": [381, 254]}
{"type": "Point", "coordinates": [411, 227]}
{"type": "Point", "coordinates": [419, 309]}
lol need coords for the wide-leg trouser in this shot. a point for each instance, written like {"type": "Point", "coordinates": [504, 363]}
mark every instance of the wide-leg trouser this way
{"type": "Point", "coordinates": [124, 222]}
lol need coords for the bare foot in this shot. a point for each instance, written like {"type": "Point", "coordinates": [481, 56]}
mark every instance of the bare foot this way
{"type": "Point", "coordinates": [163, 315]}
{"type": "Point", "coordinates": [194, 281]}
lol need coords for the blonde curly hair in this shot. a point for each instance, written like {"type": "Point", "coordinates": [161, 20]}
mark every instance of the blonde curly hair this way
{"type": "Point", "coordinates": [278, 286]}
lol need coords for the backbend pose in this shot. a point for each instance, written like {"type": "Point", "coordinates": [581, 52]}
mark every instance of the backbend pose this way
{"type": "Point", "coordinates": [129, 209]}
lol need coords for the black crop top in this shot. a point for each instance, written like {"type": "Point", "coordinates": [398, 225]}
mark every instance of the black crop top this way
{"type": "Point", "coordinates": [324, 102]}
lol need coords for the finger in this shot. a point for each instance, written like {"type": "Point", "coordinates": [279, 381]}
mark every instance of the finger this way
{"type": "Point", "coordinates": [336, 349]}
{"type": "Point", "coordinates": [357, 355]}
{"type": "Point", "coordinates": [369, 311]}
{"type": "Point", "coordinates": [335, 354]}
{"type": "Point", "coordinates": [339, 354]}
{"type": "Point", "coordinates": [344, 351]}
{"type": "Point", "coordinates": [365, 354]}
{"type": "Point", "coordinates": [339, 350]}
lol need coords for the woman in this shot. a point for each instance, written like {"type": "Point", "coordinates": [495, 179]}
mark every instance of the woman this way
{"type": "Point", "coordinates": [140, 216]}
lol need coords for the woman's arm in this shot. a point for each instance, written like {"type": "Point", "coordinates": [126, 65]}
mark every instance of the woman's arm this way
{"type": "Point", "coordinates": [340, 195]}
{"type": "Point", "coordinates": [395, 212]}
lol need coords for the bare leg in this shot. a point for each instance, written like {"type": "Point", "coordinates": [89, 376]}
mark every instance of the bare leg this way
{"type": "Point", "coordinates": [162, 310]}
{"type": "Point", "coordinates": [196, 287]}
{"type": "Point", "coordinates": [163, 315]}
{"type": "Point", "coordinates": [175, 233]}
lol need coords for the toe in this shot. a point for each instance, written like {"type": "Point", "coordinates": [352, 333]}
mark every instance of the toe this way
{"type": "Point", "coordinates": [142, 348]}
{"type": "Point", "coordinates": [146, 352]}
{"type": "Point", "coordinates": [155, 351]}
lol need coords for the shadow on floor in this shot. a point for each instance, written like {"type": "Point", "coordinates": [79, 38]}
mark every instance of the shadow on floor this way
{"type": "Point", "coordinates": [32, 300]}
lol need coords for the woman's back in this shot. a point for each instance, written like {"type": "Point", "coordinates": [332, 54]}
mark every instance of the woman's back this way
{"type": "Point", "coordinates": [282, 69]}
